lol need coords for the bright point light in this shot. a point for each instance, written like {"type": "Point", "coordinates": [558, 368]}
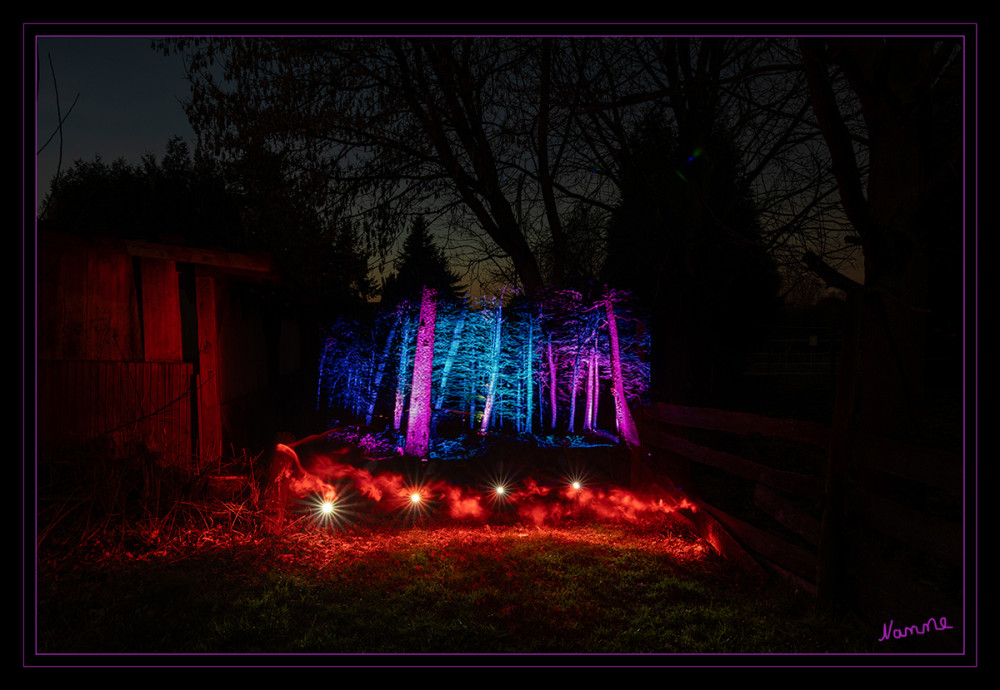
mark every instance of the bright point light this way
{"type": "Point", "coordinates": [415, 498]}
{"type": "Point", "coordinates": [576, 485]}
{"type": "Point", "coordinates": [501, 490]}
{"type": "Point", "coordinates": [326, 507]}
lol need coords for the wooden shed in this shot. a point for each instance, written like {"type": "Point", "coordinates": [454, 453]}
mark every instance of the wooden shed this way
{"type": "Point", "coordinates": [183, 350]}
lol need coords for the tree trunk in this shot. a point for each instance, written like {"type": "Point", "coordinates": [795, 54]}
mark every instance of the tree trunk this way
{"type": "Point", "coordinates": [553, 392]}
{"type": "Point", "coordinates": [623, 416]}
{"type": "Point", "coordinates": [379, 373]}
{"type": "Point", "coordinates": [529, 374]}
{"type": "Point", "coordinates": [593, 385]}
{"type": "Point", "coordinates": [494, 372]}
{"type": "Point", "coordinates": [418, 425]}
{"type": "Point", "coordinates": [402, 373]}
{"type": "Point", "coordinates": [893, 81]}
{"type": "Point", "coordinates": [456, 339]}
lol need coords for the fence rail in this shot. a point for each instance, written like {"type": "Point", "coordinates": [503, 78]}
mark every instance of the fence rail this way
{"type": "Point", "coordinates": [883, 512]}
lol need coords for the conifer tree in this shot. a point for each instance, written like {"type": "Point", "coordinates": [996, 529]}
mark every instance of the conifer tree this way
{"type": "Point", "coordinates": [421, 264]}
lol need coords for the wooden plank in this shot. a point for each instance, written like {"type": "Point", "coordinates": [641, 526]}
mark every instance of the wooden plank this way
{"type": "Point", "coordinates": [838, 453]}
{"type": "Point", "coordinates": [50, 305]}
{"type": "Point", "coordinates": [792, 482]}
{"type": "Point", "coordinates": [161, 311]}
{"type": "Point", "coordinates": [742, 423]}
{"type": "Point", "coordinates": [793, 579]}
{"type": "Point", "coordinates": [72, 289]}
{"type": "Point", "coordinates": [257, 263]}
{"type": "Point", "coordinates": [209, 409]}
{"type": "Point", "coordinates": [932, 467]}
{"type": "Point", "coordinates": [787, 513]}
{"type": "Point", "coordinates": [112, 314]}
{"type": "Point", "coordinates": [79, 401]}
{"type": "Point", "coordinates": [787, 556]}
{"type": "Point", "coordinates": [724, 544]}
{"type": "Point", "coordinates": [910, 526]}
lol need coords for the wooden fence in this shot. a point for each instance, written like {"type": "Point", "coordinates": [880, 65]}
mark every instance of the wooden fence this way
{"type": "Point", "coordinates": [123, 403]}
{"type": "Point", "coordinates": [898, 543]}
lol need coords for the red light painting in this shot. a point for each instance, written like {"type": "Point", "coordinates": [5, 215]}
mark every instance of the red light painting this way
{"type": "Point", "coordinates": [534, 502]}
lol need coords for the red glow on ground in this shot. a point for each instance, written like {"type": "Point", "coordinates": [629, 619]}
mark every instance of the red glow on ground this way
{"type": "Point", "coordinates": [532, 501]}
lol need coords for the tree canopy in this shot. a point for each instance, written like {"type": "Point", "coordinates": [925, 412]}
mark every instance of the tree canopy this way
{"type": "Point", "coordinates": [180, 196]}
{"type": "Point", "coordinates": [523, 147]}
{"type": "Point", "coordinates": [503, 140]}
{"type": "Point", "coordinates": [194, 200]}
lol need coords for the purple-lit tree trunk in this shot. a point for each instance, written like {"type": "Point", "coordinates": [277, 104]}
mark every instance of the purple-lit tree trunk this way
{"type": "Point", "coordinates": [574, 387]}
{"type": "Point", "coordinates": [593, 381]}
{"type": "Point", "coordinates": [553, 401]}
{"type": "Point", "coordinates": [623, 416]}
{"type": "Point", "coordinates": [576, 382]}
{"type": "Point", "coordinates": [418, 426]}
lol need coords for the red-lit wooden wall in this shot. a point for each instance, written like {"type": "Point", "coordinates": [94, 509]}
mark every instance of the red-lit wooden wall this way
{"type": "Point", "coordinates": [131, 340]}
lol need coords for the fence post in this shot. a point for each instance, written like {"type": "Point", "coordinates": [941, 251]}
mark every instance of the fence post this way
{"type": "Point", "coordinates": [829, 562]}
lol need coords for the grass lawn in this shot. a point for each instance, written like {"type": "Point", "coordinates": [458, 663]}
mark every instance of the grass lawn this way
{"type": "Point", "coordinates": [220, 585]}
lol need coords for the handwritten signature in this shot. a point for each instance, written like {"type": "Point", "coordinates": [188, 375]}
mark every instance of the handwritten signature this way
{"type": "Point", "coordinates": [888, 631]}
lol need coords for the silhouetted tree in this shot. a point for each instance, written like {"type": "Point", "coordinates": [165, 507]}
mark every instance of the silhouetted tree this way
{"type": "Point", "coordinates": [197, 202]}
{"type": "Point", "coordinates": [178, 199]}
{"type": "Point", "coordinates": [420, 264]}
{"type": "Point", "coordinates": [504, 137]}
{"type": "Point", "coordinates": [906, 211]}
{"type": "Point", "coordinates": [389, 125]}
{"type": "Point", "coordinates": [685, 240]}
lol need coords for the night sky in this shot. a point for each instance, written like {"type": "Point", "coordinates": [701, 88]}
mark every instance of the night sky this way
{"type": "Point", "coordinates": [129, 101]}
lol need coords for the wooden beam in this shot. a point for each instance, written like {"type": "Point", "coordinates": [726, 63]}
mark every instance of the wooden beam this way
{"type": "Point", "coordinates": [196, 255]}
{"type": "Point", "coordinates": [161, 311]}
{"type": "Point", "coordinates": [792, 482]}
{"type": "Point", "coordinates": [112, 311]}
{"type": "Point", "coordinates": [787, 513]}
{"type": "Point", "coordinates": [742, 423]}
{"type": "Point", "coordinates": [209, 410]}
{"type": "Point", "coordinates": [910, 526]}
{"type": "Point", "coordinates": [935, 468]}
{"type": "Point", "coordinates": [775, 549]}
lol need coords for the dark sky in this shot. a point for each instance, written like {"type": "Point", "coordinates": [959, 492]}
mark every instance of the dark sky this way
{"type": "Point", "coordinates": [129, 100]}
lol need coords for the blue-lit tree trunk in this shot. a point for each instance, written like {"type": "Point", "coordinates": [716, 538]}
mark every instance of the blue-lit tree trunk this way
{"type": "Point", "coordinates": [402, 372]}
{"type": "Point", "coordinates": [579, 323]}
{"type": "Point", "coordinates": [418, 425]}
{"type": "Point", "coordinates": [380, 369]}
{"type": "Point", "coordinates": [322, 396]}
{"type": "Point", "coordinates": [494, 368]}
{"type": "Point", "coordinates": [449, 362]}
{"type": "Point", "coordinates": [529, 373]}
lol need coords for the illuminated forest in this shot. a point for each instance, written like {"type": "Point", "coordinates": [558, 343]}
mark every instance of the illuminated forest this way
{"type": "Point", "coordinates": [527, 366]}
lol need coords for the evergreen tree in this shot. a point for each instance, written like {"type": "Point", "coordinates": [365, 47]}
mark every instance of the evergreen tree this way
{"type": "Point", "coordinates": [686, 242]}
{"type": "Point", "coordinates": [421, 264]}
